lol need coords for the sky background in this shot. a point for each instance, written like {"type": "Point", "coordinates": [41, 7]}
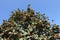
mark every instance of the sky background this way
{"type": "Point", "coordinates": [50, 7]}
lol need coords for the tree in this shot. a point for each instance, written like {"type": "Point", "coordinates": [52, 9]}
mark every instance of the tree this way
{"type": "Point", "coordinates": [27, 23]}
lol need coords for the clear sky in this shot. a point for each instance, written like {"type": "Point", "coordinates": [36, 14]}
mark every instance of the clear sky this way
{"type": "Point", "coordinates": [50, 7]}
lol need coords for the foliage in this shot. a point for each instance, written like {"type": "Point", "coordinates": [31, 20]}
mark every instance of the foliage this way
{"type": "Point", "coordinates": [19, 21]}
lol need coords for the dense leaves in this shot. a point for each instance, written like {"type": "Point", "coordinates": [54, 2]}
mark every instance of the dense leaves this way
{"type": "Point", "coordinates": [28, 25]}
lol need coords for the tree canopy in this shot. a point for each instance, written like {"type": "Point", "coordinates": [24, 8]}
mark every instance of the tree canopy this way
{"type": "Point", "coordinates": [25, 23]}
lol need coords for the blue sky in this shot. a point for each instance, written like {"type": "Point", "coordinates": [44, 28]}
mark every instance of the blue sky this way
{"type": "Point", "coordinates": [50, 7]}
